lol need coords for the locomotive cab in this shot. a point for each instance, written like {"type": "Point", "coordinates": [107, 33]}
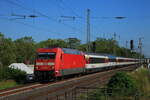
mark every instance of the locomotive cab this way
{"type": "Point", "coordinates": [45, 64]}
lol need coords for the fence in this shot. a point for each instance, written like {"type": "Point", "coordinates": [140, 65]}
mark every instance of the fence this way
{"type": "Point", "coordinates": [94, 93]}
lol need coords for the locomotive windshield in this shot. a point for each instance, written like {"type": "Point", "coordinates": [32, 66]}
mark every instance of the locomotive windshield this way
{"type": "Point", "coordinates": [46, 56]}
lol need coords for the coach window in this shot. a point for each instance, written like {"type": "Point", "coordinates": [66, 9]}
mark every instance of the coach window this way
{"type": "Point", "coordinates": [97, 60]}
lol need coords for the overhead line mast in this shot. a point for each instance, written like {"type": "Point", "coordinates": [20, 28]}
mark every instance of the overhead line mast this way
{"type": "Point", "coordinates": [140, 49]}
{"type": "Point", "coordinates": [88, 30]}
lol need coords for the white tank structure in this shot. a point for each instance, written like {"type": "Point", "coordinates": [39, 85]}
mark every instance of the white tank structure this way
{"type": "Point", "coordinates": [25, 68]}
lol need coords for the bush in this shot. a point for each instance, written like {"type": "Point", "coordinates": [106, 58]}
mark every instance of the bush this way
{"type": "Point", "coordinates": [18, 75]}
{"type": "Point", "coordinates": [7, 73]}
{"type": "Point", "coordinates": [142, 76]}
{"type": "Point", "coordinates": [4, 75]}
{"type": "Point", "coordinates": [122, 84]}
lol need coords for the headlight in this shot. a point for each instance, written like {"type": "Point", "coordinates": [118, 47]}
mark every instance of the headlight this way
{"type": "Point", "coordinates": [39, 63]}
{"type": "Point", "coordinates": [50, 63]}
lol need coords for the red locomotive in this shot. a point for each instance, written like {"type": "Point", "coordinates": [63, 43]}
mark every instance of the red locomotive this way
{"type": "Point", "coordinates": [57, 62]}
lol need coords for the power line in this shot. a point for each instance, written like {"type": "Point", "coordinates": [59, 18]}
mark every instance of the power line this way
{"type": "Point", "coordinates": [59, 6]}
{"type": "Point", "coordinates": [31, 26]}
{"type": "Point", "coordinates": [41, 14]}
{"type": "Point", "coordinates": [69, 8]}
{"type": "Point", "coordinates": [116, 17]}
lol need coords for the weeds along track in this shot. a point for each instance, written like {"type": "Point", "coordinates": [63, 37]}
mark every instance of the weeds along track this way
{"type": "Point", "coordinates": [58, 90]}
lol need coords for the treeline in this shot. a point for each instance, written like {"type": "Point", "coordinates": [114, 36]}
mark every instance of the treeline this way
{"type": "Point", "coordinates": [22, 50]}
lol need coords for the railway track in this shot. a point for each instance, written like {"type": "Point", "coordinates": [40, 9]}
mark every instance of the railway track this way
{"type": "Point", "coordinates": [27, 87]}
{"type": "Point", "coordinates": [58, 90]}
{"type": "Point", "coordinates": [14, 90]}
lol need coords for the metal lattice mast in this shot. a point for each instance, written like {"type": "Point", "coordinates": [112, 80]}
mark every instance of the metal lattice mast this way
{"type": "Point", "coordinates": [88, 30]}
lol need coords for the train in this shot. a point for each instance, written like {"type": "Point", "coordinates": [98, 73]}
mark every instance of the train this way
{"type": "Point", "coordinates": [52, 63]}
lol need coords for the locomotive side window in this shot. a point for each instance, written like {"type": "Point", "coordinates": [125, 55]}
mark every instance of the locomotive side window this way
{"type": "Point", "coordinates": [46, 55]}
{"type": "Point", "coordinates": [71, 51]}
{"type": "Point", "coordinates": [97, 60]}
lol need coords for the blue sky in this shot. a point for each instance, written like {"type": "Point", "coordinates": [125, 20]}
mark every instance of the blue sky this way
{"type": "Point", "coordinates": [48, 24]}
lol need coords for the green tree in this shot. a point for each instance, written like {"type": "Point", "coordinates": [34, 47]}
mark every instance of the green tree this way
{"type": "Point", "coordinates": [25, 51]}
{"type": "Point", "coordinates": [105, 45]}
{"type": "Point", "coordinates": [82, 47]}
{"type": "Point", "coordinates": [7, 51]}
{"type": "Point", "coordinates": [73, 42]}
{"type": "Point", "coordinates": [52, 43]}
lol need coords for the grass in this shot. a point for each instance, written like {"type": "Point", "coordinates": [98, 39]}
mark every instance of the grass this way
{"type": "Point", "coordinates": [142, 76]}
{"type": "Point", "coordinates": [7, 84]}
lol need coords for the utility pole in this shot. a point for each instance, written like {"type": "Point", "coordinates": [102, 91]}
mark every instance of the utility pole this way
{"type": "Point", "coordinates": [0, 38]}
{"type": "Point", "coordinates": [126, 48]}
{"type": "Point", "coordinates": [88, 30]}
{"type": "Point", "coordinates": [114, 48]}
{"type": "Point", "coordinates": [140, 49]}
